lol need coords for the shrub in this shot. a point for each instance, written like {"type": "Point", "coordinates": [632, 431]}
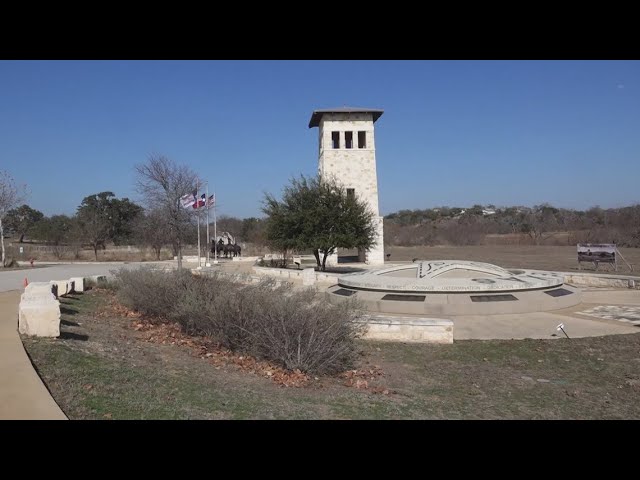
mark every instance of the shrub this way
{"type": "Point", "coordinates": [297, 330]}
{"type": "Point", "coordinates": [151, 292]}
{"type": "Point", "coordinates": [292, 328]}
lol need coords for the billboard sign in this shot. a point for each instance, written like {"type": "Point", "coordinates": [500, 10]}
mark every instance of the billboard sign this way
{"type": "Point", "coordinates": [597, 252]}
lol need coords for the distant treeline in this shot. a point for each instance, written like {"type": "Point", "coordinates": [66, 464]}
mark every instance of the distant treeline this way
{"type": "Point", "coordinates": [102, 218]}
{"type": "Point", "coordinates": [535, 225]}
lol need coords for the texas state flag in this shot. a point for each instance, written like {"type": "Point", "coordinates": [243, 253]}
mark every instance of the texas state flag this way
{"type": "Point", "coordinates": [201, 201]}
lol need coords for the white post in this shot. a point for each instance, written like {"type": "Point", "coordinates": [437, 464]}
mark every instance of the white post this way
{"type": "Point", "coordinates": [198, 215]}
{"type": "Point", "coordinates": [206, 205]}
{"type": "Point", "coordinates": [215, 229]}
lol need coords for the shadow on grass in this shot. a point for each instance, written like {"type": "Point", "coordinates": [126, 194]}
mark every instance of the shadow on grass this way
{"type": "Point", "coordinates": [68, 311]}
{"type": "Point", "coordinates": [73, 336]}
{"type": "Point", "coordinates": [68, 323]}
{"type": "Point", "coordinates": [68, 297]}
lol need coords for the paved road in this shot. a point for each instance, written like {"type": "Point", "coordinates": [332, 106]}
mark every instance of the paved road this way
{"type": "Point", "coordinates": [13, 279]}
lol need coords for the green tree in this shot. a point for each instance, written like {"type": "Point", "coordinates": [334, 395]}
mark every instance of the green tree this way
{"type": "Point", "coordinates": [22, 219]}
{"type": "Point", "coordinates": [475, 210]}
{"type": "Point", "coordinates": [102, 217]}
{"type": "Point", "coordinates": [52, 230]}
{"type": "Point", "coordinates": [318, 214]}
{"type": "Point", "coordinates": [252, 230]}
{"type": "Point", "coordinates": [95, 217]}
{"type": "Point", "coordinates": [123, 215]}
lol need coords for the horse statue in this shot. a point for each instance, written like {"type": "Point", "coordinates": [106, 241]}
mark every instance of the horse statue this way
{"type": "Point", "coordinates": [229, 249]}
{"type": "Point", "coordinates": [232, 250]}
{"type": "Point", "coordinates": [218, 247]}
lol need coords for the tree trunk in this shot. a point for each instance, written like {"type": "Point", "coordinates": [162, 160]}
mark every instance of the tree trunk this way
{"type": "Point", "coordinates": [324, 260]}
{"type": "Point", "coordinates": [21, 238]}
{"type": "Point", "coordinates": [158, 252]}
{"type": "Point", "coordinates": [2, 242]}
{"type": "Point", "coordinates": [95, 250]}
{"type": "Point", "coordinates": [317, 255]}
{"type": "Point", "coordinates": [179, 255]}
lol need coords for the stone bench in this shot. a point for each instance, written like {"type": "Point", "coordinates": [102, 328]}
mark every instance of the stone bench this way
{"type": "Point", "coordinates": [408, 329]}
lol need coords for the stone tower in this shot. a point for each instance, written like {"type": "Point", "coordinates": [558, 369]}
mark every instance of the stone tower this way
{"type": "Point", "coordinates": [347, 151]}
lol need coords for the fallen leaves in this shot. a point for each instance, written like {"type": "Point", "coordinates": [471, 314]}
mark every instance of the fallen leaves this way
{"type": "Point", "coordinates": [361, 378]}
{"type": "Point", "coordinates": [216, 354]}
{"type": "Point", "coordinates": [162, 333]}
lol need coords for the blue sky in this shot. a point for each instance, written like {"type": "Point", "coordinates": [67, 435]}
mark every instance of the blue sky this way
{"type": "Point", "coordinates": [453, 133]}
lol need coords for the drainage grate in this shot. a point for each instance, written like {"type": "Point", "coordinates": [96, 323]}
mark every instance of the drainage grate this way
{"type": "Point", "coordinates": [492, 298]}
{"type": "Point", "coordinates": [404, 298]}
{"type": "Point", "coordinates": [345, 292]}
{"type": "Point", "coordinates": [558, 292]}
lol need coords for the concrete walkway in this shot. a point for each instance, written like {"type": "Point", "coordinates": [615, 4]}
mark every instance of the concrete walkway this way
{"type": "Point", "coordinates": [23, 396]}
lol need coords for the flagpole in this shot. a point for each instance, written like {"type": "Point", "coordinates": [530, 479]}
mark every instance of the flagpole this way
{"type": "Point", "coordinates": [206, 203]}
{"type": "Point", "coordinates": [198, 215]}
{"type": "Point", "coordinates": [215, 229]}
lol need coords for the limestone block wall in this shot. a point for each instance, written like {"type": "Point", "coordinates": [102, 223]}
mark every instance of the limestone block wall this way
{"type": "Point", "coordinates": [406, 329]}
{"type": "Point", "coordinates": [375, 255]}
{"type": "Point", "coordinates": [287, 273]}
{"type": "Point", "coordinates": [39, 309]}
{"type": "Point", "coordinates": [353, 167]}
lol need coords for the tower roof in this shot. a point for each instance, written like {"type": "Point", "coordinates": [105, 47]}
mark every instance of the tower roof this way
{"type": "Point", "coordinates": [317, 114]}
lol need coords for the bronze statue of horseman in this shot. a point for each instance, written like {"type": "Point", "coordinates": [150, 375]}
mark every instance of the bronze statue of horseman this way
{"type": "Point", "coordinates": [228, 249]}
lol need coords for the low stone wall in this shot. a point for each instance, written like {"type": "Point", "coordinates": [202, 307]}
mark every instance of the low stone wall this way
{"type": "Point", "coordinates": [291, 274]}
{"type": "Point", "coordinates": [594, 280]}
{"type": "Point", "coordinates": [409, 329]}
{"type": "Point", "coordinates": [39, 309]}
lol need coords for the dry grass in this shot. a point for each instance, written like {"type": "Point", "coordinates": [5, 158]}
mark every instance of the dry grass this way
{"type": "Point", "coordinates": [106, 367]}
{"type": "Point", "coordinates": [512, 256]}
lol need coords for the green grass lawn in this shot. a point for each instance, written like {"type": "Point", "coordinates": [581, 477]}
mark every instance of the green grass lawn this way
{"type": "Point", "coordinates": [102, 368]}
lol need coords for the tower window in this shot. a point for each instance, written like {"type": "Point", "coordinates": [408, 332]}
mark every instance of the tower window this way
{"type": "Point", "coordinates": [362, 139]}
{"type": "Point", "coordinates": [351, 192]}
{"type": "Point", "coordinates": [348, 139]}
{"type": "Point", "coordinates": [335, 139]}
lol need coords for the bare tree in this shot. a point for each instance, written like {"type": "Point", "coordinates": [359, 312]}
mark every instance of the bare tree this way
{"type": "Point", "coordinates": [11, 195]}
{"type": "Point", "coordinates": [153, 230]}
{"type": "Point", "coordinates": [162, 183]}
{"type": "Point", "coordinates": [541, 223]}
